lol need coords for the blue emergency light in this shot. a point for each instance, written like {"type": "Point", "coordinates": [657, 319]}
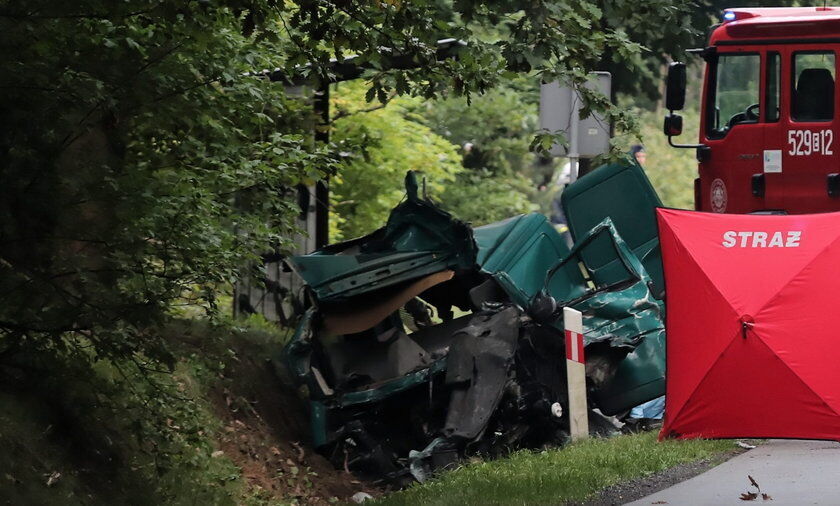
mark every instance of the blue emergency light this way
{"type": "Point", "coordinates": [728, 16]}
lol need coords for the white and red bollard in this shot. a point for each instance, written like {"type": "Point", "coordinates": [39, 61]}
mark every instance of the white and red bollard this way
{"type": "Point", "coordinates": [576, 374]}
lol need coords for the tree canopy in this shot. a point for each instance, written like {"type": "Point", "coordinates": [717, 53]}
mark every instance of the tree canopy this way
{"type": "Point", "coordinates": [144, 162]}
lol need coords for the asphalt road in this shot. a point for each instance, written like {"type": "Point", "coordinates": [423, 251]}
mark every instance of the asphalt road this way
{"type": "Point", "coordinates": [791, 472]}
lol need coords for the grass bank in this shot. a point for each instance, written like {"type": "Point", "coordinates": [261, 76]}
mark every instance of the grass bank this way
{"type": "Point", "coordinates": [221, 429]}
{"type": "Point", "coordinates": [556, 476]}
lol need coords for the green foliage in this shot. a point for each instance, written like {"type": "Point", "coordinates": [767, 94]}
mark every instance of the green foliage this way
{"type": "Point", "coordinates": [141, 166]}
{"type": "Point", "coordinates": [114, 435]}
{"type": "Point", "coordinates": [121, 434]}
{"type": "Point", "coordinates": [387, 141]}
{"type": "Point", "coordinates": [671, 170]}
{"type": "Point", "coordinates": [497, 126]}
{"type": "Point", "coordinates": [495, 131]}
{"type": "Point", "coordinates": [639, 74]}
{"type": "Point", "coordinates": [557, 476]}
{"type": "Point", "coordinates": [549, 38]}
{"type": "Point", "coordinates": [385, 144]}
{"type": "Point", "coordinates": [663, 40]}
{"type": "Point", "coordinates": [480, 197]}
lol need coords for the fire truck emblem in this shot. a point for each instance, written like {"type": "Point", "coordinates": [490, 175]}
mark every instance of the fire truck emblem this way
{"type": "Point", "coordinates": [718, 194]}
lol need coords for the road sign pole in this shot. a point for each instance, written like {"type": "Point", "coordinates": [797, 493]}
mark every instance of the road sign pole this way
{"type": "Point", "coordinates": [576, 374]}
{"type": "Point", "coordinates": [574, 137]}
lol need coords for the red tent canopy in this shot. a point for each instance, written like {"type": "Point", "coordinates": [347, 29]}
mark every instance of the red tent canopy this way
{"type": "Point", "coordinates": [753, 325]}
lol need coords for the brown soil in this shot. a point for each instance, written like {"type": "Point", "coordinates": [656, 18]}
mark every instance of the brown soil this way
{"type": "Point", "coordinates": [266, 434]}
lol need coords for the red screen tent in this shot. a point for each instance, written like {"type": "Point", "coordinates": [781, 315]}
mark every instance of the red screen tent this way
{"type": "Point", "coordinates": [753, 325]}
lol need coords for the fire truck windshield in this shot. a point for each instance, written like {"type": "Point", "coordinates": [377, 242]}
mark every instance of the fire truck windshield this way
{"type": "Point", "coordinates": [735, 92]}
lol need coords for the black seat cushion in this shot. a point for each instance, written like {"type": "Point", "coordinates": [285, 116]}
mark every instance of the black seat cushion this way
{"type": "Point", "coordinates": [814, 100]}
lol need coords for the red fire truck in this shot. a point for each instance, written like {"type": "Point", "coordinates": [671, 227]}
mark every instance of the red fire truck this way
{"type": "Point", "coordinates": [769, 139]}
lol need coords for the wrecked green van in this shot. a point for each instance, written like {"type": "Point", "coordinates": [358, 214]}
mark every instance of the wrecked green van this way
{"type": "Point", "coordinates": [430, 340]}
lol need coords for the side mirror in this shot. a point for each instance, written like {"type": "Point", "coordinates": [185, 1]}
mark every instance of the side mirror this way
{"type": "Point", "coordinates": [673, 125]}
{"type": "Point", "coordinates": [675, 88]}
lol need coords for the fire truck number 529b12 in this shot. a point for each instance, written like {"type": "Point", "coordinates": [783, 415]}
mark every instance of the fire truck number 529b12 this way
{"type": "Point", "coordinates": [768, 124]}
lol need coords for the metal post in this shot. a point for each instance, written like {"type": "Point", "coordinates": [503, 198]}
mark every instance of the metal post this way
{"type": "Point", "coordinates": [321, 104]}
{"type": "Point", "coordinates": [574, 126]}
{"type": "Point", "coordinates": [576, 374]}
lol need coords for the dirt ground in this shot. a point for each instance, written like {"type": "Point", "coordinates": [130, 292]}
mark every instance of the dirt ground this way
{"type": "Point", "coordinates": [266, 431]}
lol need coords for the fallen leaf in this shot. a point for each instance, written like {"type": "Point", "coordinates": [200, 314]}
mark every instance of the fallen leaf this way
{"type": "Point", "coordinates": [744, 445]}
{"type": "Point", "coordinates": [766, 497]}
{"type": "Point", "coordinates": [749, 496]}
{"type": "Point", "coordinates": [659, 502]}
{"type": "Point", "coordinates": [754, 484]}
{"type": "Point", "coordinates": [53, 479]}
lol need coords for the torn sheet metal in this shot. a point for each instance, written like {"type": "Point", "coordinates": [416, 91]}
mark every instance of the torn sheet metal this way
{"type": "Point", "coordinates": [429, 340]}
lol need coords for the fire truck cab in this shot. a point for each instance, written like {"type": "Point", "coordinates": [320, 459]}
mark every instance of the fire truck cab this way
{"type": "Point", "coordinates": [769, 139]}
